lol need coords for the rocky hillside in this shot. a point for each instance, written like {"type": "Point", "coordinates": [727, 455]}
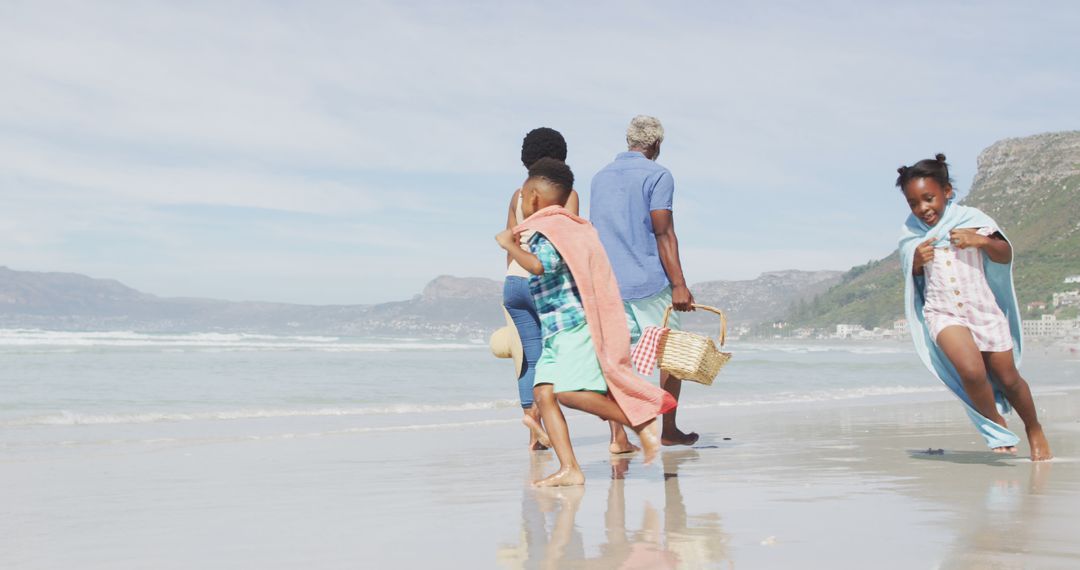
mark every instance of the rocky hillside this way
{"type": "Point", "coordinates": [448, 307]}
{"type": "Point", "coordinates": [1031, 186]}
{"type": "Point", "coordinates": [763, 299]}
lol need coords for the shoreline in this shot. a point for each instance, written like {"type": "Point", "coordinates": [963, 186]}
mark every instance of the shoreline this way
{"type": "Point", "coordinates": [846, 486]}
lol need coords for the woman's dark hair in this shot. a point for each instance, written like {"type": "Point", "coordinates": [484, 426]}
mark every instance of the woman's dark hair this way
{"type": "Point", "coordinates": [555, 171]}
{"type": "Point", "coordinates": [542, 143]}
{"type": "Point", "coordinates": [935, 169]}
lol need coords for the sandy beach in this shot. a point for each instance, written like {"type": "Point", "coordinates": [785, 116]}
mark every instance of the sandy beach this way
{"type": "Point", "coordinates": [843, 485]}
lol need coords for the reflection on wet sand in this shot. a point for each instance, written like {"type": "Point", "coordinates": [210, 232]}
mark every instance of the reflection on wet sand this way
{"type": "Point", "coordinates": [671, 539]}
{"type": "Point", "coordinates": [1001, 530]}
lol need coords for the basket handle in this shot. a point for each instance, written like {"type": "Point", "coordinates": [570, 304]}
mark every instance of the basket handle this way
{"type": "Point", "coordinates": [723, 318]}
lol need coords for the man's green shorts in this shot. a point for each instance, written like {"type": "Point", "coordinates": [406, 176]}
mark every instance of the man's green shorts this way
{"type": "Point", "coordinates": [649, 312]}
{"type": "Point", "coordinates": [569, 362]}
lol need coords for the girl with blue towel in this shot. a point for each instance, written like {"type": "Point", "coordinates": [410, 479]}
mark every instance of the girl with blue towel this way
{"type": "Point", "coordinates": [961, 306]}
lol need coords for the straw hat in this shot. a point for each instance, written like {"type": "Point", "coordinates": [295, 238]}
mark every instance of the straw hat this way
{"type": "Point", "coordinates": [505, 343]}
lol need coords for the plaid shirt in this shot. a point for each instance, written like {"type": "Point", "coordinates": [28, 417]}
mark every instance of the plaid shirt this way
{"type": "Point", "coordinates": [555, 292]}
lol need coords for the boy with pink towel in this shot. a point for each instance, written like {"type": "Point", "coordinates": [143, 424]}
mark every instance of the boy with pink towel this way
{"type": "Point", "coordinates": [585, 363]}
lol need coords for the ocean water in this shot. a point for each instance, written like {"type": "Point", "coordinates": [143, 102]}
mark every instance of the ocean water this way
{"type": "Point", "coordinates": [91, 390]}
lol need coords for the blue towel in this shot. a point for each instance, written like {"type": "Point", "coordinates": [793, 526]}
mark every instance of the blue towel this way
{"type": "Point", "coordinates": [998, 276]}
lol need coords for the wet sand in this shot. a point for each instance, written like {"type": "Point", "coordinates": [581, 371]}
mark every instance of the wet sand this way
{"type": "Point", "coordinates": [840, 486]}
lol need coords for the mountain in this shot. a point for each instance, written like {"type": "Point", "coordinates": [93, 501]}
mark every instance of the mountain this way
{"type": "Point", "coordinates": [1030, 186]}
{"type": "Point", "coordinates": [448, 307]}
{"type": "Point", "coordinates": [763, 299]}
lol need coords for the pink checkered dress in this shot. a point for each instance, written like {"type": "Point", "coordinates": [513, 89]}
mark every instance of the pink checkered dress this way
{"type": "Point", "coordinates": [957, 294]}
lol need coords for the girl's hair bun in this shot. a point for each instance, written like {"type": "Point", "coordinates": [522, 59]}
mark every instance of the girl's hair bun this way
{"type": "Point", "coordinates": [934, 168]}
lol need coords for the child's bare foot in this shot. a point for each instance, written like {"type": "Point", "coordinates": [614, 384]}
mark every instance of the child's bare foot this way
{"type": "Point", "coordinates": [649, 433]}
{"type": "Point", "coordinates": [1040, 448]}
{"type": "Point", "coordinates": [565, 477]}
{"type": "Point", "coordinates": [677, 437]}
{"type": "Point", "coordinates": [1011, 450]}
{"type": "Point", "coordinates": [540, 439]}
{"type": "Point", "coordinates": [617, 448]}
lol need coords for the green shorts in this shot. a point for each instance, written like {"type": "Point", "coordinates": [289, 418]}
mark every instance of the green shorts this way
{"type": "Point", "coordinates": [649, 312]}
{"type": "Point", "coordinates": [569, 363]}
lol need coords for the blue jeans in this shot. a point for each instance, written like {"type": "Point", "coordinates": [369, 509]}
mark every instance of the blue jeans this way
{"type": "Point", "coordinates": [519, 303]}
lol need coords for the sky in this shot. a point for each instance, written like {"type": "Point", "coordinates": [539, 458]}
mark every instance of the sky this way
{"type": "Point", "coordinates": [326, 153]}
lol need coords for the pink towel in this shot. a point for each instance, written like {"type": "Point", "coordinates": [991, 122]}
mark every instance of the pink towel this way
{"type": "Point", "coordinates": [645, 351]}
{"type": "Point", "coordinates": [579, 245]}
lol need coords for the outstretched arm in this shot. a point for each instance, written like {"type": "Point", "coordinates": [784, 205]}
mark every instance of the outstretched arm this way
{"type": "Point", "coordinates": [667, 243]}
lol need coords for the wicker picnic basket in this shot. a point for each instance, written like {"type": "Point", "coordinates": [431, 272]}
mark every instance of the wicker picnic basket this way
{"type": "Point", "coordinates": [691, 356]}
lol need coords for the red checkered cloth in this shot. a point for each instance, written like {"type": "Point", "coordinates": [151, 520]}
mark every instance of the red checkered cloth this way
{"type": "Point", "coordinates": [644, 354]}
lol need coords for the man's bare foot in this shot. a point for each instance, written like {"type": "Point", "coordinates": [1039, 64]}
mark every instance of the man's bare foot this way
{"type": "Point", "coordinates": [649, 433]}
{"type": "Point", "coordinates": [617, 448]}
{"type": "Point", "coordinates": [539, 439]}
{"type": "Point", "coordinates": [565, 477]}
{"type": "Point", "coordinates": [1011, 450]}
{"type": "Point", "coordinates": [1040, 448]}
{"type": "Point", "coordinates": [677, 437]}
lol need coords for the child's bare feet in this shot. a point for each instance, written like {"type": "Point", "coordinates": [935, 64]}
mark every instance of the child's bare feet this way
{"type": "Point", "coordinates": [1040, 448]}
{"type": "Point", "coordinates": [649, 433]}
{"type": "Point", "coordinates": [677, 437]}
{"type": "Point", "coordinates": [565, 477]}
{"type": "Point", "coordinates": [620, 448]}
{"type": "Point", "coordinates": [539, 440]}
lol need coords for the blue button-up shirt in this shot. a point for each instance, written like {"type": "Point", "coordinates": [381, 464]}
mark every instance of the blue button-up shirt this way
{"type": "Point", "coordinates": [623, 196]}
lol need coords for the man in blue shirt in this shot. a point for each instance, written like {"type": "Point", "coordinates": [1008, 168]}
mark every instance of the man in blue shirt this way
{"type": "Point", "coordinates": [630, 206]}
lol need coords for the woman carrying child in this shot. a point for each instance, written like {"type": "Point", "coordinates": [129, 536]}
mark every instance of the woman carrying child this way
{"type": "Point", "coordinates": [539, 143]}
{"type": "Point", "coordinates": [961, 306]}
{"type": "Point", "coordinates": [586, 346]}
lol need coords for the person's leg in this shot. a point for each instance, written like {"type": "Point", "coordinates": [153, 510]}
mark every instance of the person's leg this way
{"type": "Point", "coordinates": [671, 434]}
{"type": "Point", "coordinates": [1003, 368]}
{"type": "Point", "coordinates": [959, 347]}
{"type": "Point", "coordinates": [519, 304]}
{"type": "Point", "coordinates": [619, 442]}
{"type": "Point", "coordinates": [569, 472]}
{"type": "Point", "coordinates": [604, 407]}
{"type": "Point", "coordinates": [650, 313]}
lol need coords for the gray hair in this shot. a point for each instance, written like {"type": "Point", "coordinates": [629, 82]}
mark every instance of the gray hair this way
{"type": "Point", "coordinates": [644, 131]}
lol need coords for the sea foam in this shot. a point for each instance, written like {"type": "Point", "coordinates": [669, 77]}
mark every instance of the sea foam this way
{"type": "Point", "coordinates": [211, 341]}
{"type": "Point", "coordinates": [66, 418]}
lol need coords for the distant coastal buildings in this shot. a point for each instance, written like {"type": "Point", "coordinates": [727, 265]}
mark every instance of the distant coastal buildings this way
{"type": "Point", "coordinates": [1046, 327]}
{"type": "Point", "coordinates": [1066, 299]}
{"type": "Point", "coordinates": [1049, 326]}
